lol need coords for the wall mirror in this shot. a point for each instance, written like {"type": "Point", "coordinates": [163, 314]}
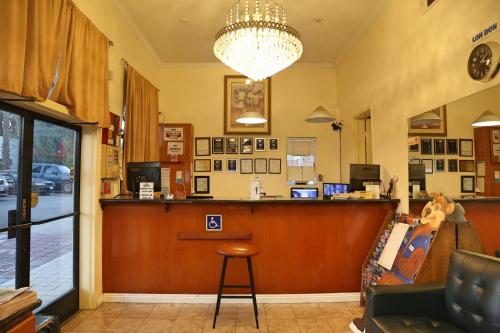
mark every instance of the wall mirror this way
{"type": "Point", "coordinates": [446, 155]}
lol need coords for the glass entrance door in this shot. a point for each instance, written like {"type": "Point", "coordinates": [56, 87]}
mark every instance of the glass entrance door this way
{"type": "Point", "coordinates": [41, 239]}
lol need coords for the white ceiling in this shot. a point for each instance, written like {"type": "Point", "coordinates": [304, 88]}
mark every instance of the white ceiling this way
{"type": "Point", "coordinates": [184, 30]}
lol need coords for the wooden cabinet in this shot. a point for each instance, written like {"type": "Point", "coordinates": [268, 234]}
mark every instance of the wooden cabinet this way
{"type": "Point", "coordinates": [176, 142]}
{"type": "Point", "coordinates": [484, 146]}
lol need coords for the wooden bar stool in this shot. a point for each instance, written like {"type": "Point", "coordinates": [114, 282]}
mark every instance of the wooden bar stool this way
{"type": "Point", "coordinates": [237, 250]}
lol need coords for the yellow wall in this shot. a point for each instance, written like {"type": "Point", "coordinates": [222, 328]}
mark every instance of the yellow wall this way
{"type": "Point", "coordinates": [460, 115]}
{"type": "Point", "coordinates": [408, 61]}
{"type": "Point", "coordinates": [195, 94]}
{"type": "Point", "coordinates": [127, 44]}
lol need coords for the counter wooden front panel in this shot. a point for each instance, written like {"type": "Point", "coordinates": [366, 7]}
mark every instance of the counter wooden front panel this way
{"type": "Point", "coordinates": [304, 248]}
{"type": "Point", "coordinates": [483, 213]}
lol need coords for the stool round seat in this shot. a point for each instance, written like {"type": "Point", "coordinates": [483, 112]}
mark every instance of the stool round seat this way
{"type": "Point", "coordinates": [238, 250]}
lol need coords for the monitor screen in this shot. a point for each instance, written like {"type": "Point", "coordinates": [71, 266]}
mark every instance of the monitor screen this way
{"type": "Point", "coordinates": [330, 189]}
{"type": "Point", "coordinates": [416, 175]}
{"type": "Point", "coordinates": [304, 193]}
{"type": "Point", "coordinates": [143, 172]}
{"type": "Point", "coordinates": [363, 174]}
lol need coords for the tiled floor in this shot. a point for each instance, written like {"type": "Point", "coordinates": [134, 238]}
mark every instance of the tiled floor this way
{"type": "Point", "coordinates": [197, 318]}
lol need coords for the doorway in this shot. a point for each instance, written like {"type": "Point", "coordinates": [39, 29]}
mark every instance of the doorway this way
{"type": "Point", "coordinates": [39, 208]}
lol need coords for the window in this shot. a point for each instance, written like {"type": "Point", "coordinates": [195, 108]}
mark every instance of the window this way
{"type": "Point", "coordinates": [301, 161]}
{"type": "Point", "coordinates": [37, 169]}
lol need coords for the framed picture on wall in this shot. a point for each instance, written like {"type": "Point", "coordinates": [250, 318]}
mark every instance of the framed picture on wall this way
{"type": "Point", "coordinates": [439, 146]}
{"type": "Point", "coordinates": [414, 160]}
{"type": "Point", "coordinates": [218, 145]}
{"type": "Point", "coordinates": [451, 146]}
{"type": "Point", "coordinates": [202, 146]}
{"type": "Point", "coordinates": [453, 165]}
{"type": "Point", "coordinates": [260, 144]}
{"type": "Point", "coordinates": [202, 165]}
{"type": "Point", "coordinates": [429, 165]}
{"type": "Point", "coordinates": [426, 146]}
{"type": "Point", "coordinates": [241, 96]}
{"type": "Point", "coordinates": [414, 148]}
{"type": "Point", "coordinates": [468, 184]}
{"type": "Point", "coordinates": [466, 165]}
{"type": "Point", "coordinates": [466, 147]}
{"type": "Point", "coordinates": [273, 144]}
{"type": "Point", "coordinates": [260, 165]}
{"type": "Point", "coordinates": [429, 123]}
{"type": "Point", "coordinates": [218, 166]}
{"type": "Point", "coordinates": [246, 166]}
{"type": "Point", "coordinates": [246, 145]}
{"type": "Point", "coordinates": [275, 166]}
{"type": "Point", "coordinates": [232, 165]}
{"type": "Point", "coordinates": [232, 145]}
{"type": "Point", "coordinates": [202, 184]}
{"type": "Point", "coordinates": [440, 165]}
{"type": "Point", "coordinates": [495, 135]}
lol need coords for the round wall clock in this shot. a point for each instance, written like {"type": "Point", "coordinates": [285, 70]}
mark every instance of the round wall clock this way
{"type": "Point", "coordinates": [484, 61]}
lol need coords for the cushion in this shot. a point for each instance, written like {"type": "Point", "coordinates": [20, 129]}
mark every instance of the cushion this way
{"type": "Point", "coordinates": [411, 324]}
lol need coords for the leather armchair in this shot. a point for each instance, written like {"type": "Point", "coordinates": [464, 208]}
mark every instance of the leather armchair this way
{"type": "Point", "coordinates": [469, 302]}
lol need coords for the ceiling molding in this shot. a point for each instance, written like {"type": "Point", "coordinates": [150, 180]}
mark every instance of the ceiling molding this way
{"type": "Point", "coordinates": [138, 32]}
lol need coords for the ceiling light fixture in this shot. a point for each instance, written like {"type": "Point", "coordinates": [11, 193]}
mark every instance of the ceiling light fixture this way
{"type": "Point", "coordinates": [257, 42]}
{"type": "Point", "coordinates": [488, 118]}
{"type": "Point", "coordinates": [320, 115]}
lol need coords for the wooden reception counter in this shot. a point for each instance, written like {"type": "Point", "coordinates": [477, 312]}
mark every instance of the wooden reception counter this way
{"type": "Point", "coordinates": [162, 247]}
{"type": "Point", "coordinates": [483, 212]}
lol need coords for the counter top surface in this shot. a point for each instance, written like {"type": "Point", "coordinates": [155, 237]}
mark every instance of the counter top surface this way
{"type": "Point", "coordinates": [464, 200]}
{"type": "Point", "coordinates": [244, 201]}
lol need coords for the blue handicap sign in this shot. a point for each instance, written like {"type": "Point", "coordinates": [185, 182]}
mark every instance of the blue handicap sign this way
{"type": "Point", "coordinates": [213, 222]}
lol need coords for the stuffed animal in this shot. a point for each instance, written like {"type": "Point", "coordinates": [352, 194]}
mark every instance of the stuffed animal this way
{"type": "Point", "coordinates": [416, 244]}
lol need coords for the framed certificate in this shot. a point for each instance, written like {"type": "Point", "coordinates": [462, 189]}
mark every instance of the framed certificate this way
{"type": "Point", "coordinates": [202, 184]}
{"type": "Point", "coordinates": [453, 165]}
{"type": "Point", "coordinates": [202, 146]}
{"type": "Point", "coordinates": [275, 166]}
{"type": "Point", "coordinates": [452, 146]}
{"type": "Point", "coordinates": [232, 165]}
{"type": "Point", "coordinates": [217, 145]}
{"type": "Point", "coordinates": [260, 165]}
{"type": "Point", "coordinates": [466, 147]}
{"type": "Point", "coordinates": [246, 166]}
{"type": "Point", "coordinates": [231, 145]}
{"type": "Point", "coordinates": [466, 165]}
{"type": "Point", "coordinates": [202, 165]}
{"type": "Point", "coordinates": [246, 145]}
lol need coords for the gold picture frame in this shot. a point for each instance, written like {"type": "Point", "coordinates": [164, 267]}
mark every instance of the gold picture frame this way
{"type": "Point", "coordinates": [429, 127]}
{"type": "Point", "coordinates": [238, 96]}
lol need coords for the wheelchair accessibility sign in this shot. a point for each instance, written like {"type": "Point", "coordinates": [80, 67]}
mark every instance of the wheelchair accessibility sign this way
{"type": "Point", "coordinates": [213, 222]}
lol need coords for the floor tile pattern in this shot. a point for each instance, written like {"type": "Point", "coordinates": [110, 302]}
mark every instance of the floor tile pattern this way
{"type": "Point", "coordinates": [197, 318]}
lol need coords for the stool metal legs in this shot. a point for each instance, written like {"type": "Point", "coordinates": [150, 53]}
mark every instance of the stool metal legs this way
{"type": "Point", "coordinates": [222, 286]}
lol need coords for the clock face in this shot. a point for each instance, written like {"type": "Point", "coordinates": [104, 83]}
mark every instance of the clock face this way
{"type": "Point", "coordinates": [480, 62]}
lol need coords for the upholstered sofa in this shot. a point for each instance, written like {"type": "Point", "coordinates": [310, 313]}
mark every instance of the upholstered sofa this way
{"type": "Point", "coordinates": [469, 302]}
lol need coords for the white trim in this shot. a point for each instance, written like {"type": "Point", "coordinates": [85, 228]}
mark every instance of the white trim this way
{"type": "Point", "coordinates": [264, 298]}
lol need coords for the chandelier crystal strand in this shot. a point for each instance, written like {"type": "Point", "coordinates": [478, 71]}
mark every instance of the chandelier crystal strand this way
{"type": "Point", "coordinates": [258, 44]}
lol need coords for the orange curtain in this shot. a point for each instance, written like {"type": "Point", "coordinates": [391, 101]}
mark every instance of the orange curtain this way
{"type": "Point", "coordinates": [82, 83]}
{"type": "Point", "coordinates": [32, 38]}
{"type": "Point", "coordinates": [141, 119]}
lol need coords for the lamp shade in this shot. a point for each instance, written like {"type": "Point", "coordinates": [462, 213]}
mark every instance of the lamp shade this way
{"type": "Point", "coordinates": [488, 118]}
{"type": "Point", "coordinates": [320, 115]}
{"type": "Point", "coordinates": [429, 115]}
{"type": "Point", "coordinates": [251, 117]}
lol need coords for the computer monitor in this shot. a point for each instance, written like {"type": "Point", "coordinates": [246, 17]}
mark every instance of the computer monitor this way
{"type": "Point", "coordinates": [363, 174]}
{"type": "Point", "coordinates": [416, 176]}
{"type": "Point", "coordinates": [304, 193]}
{"type": "Point", "coordinates": [329, 189]}
{"type": "Point", "coordinates": [143, 172]}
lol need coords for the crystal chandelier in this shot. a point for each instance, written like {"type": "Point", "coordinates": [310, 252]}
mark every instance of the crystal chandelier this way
{"type": "Point", "coordinates": [256, 40]}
